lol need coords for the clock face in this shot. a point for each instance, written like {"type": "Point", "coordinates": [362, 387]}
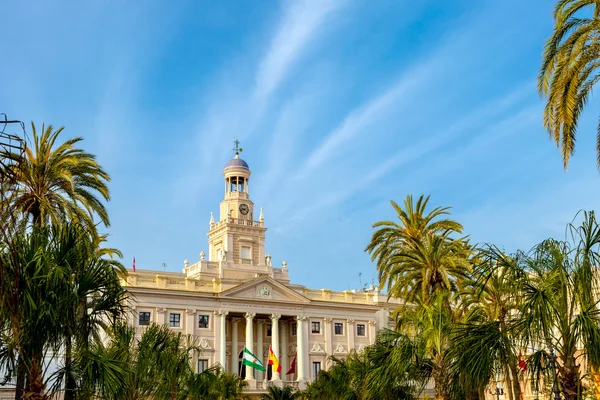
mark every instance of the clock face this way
{"type": "Point", "coordinates": [244, 209]}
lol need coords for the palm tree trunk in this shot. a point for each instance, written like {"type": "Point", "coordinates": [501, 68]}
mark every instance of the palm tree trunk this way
{"type": "Point", "coordinates": [21, 376]}
{"type": "Point", "coordinates": [595, 375]}
{"type": "Point", "coordinates": [36, 381]}
{"type": "Point", "coordinates": [440, 380]}
{"type": "Point", "coordinates": [569, 378]}
{"type": "Point", "coordinates": [514, 376]}
{"type": "Point", "coordinates": [508, 382]}
{"type": "Point", "coordinates": [69, 381]}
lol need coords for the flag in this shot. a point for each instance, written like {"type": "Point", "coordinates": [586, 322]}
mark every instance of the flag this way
{"type": "Point", "coordinates": [251, 361]}
{"type": "Point", "coordinates": [293, 366]}
{"type": "Point", "coordinates": [274, 361]}
{"type": "Point", "coordinates": [522, 362]}
{"type": "Point", "coordinates": [133, 265]}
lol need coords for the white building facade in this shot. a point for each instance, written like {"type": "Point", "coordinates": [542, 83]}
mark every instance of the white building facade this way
{"type": "Point", "coordinates": [233, 297]}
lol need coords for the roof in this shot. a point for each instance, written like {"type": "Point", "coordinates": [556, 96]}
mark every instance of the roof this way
{"type": "Point", "coordinates": [237, 163]}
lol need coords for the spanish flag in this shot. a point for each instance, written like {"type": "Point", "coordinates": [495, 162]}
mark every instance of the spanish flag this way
{"type": "Point", "coordinates": [274, 361]}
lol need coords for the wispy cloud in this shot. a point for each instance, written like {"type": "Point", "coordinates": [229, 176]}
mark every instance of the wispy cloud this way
{"type": "Point", "coordinates": [239, 112]}
{"type": "Point", "coordinates": [484, 117]}
{"type": "Point", "coordinates": [359, 119]}
{"type": "Point", "coordinates": [299, 24]}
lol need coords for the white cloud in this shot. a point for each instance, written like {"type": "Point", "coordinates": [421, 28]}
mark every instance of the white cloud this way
{"type": "Point", "coordinates": [487, 116]}
{"type": "Point", "coordinates": [300, 22]}
{"type": "Point", "coordinates": [237, 112]}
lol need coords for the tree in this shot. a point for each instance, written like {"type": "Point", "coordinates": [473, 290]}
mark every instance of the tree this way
{"type": "Point", "coordinates": [55, 287]}
{"type": "Point", "coordinates": [569, 71]}
{"type": "Point", "coordinates": [159, 363]}
{"type": "Point", "coordinates": [277, 393]}
{"type": "Point", "coordinates": [419, 256]}
{"type": "Point", "coordinates": [215, 384]}
{"type": "Point", "coordinates": [159, 366]}
{"type": "Point", "coordinates": [90, 298]}
{"type": "Point", "coordinates": [557, 322]}
{"type": "Point", "coordinates": [50, 183]}
{"type": "Point", "coordinates": [484, 346]}
{"type": "Point", "coordinates": [340, 381]}
{"type": "Point", "coordinates": [398, 367]}
{"type": "Point", "coordinates": [59, 181]}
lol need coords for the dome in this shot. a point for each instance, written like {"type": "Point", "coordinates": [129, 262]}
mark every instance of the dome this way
{"type": "Point", "coordinates": [237, 163]}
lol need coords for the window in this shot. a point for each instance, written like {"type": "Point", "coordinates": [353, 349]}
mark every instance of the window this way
{"type": "Point", "coordinates": [316, 327]}
{"type": "Point", "coordinates": [144, 318]}
{"type": "Point", "coordinates": [202, 365]}
{"type": "Point", "coordinates": [294, 329]}
{"type": "Point", "coordinates": [268, 330]}
{"type": "Point", "coordinates": [246, 252]}
{"type": "Point", "coordinates": [174, 320]}
{"type": "Point", "coordinates": [339, 328]}
{"type": "Point", "coordinates": [360, 330]}
{"type": "Point", "coordinates": [316, 368]}
{"type": "Point", "coordinates": [202, 321]}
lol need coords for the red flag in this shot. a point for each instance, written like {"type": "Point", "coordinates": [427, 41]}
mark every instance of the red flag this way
{"type": "Point", "coordinates": [292, 369]}
{"type": "Point", "coordinates": [133, 266]}
{"type": "Point", "coordinates": [522, 362]}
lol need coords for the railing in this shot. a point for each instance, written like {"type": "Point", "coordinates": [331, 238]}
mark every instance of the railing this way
{"type": "Point", "coordinates": [293, 384]}
{"type": "Point", "coordinates": [239, 221]}
{"type": "Point", "coordinates": [263, 385]}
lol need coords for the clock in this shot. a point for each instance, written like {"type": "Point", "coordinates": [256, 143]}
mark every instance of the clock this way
{"type": "Point", "coordinates": [244, 209]}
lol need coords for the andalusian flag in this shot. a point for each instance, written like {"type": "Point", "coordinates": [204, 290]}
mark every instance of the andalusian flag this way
{"type": "Point", "coordinates": [251, 361]}
{"type": "Point", "coordinates": [274, 361]}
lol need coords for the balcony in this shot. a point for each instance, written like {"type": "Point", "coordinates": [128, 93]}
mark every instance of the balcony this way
{"type": "Point", "coordinates": [237, 221]}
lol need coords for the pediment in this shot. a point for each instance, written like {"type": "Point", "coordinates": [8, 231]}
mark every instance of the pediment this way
{"type": "Point", "coordinates": [265, 289]}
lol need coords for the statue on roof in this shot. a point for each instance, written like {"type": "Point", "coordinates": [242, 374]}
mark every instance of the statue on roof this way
{"type": "Point", "coordinates": [268, 260]}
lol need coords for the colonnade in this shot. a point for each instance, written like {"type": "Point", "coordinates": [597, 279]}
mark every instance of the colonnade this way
{"type": "Point", "coordinates": [278, 342]}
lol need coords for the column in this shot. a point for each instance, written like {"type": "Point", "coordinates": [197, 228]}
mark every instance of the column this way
{"type": "Point", "coordinates": [249, 344]}
{"type": "Point", "coordinates": [221, 319]}
{"type": "Point", "coordinates": [328, 333]}
{"type": "Point", "coordinates": [350, 328]}
{"type": "Point", "coordinates": [259, 347]}
{"type": "Point", "coordinates": [132, 316]}
{"type": "Point", "coordinates": [372, 332]}
{"type": "Point", "coordinates": [190, 317]}
{"type": "Point", "coordinates": [275, 345]}
{"type": "Point", "coordinates": [161, 315]}
{"type": "Point", "coordinates": [284, 350]}
{"type": "Point", "coordinates": [235, 350]}
{"type": "Point", "coordinates": [302, 359]}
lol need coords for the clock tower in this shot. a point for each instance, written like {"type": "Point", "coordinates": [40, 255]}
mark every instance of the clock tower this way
{"type": "Point", "coordinates": [237, 237]}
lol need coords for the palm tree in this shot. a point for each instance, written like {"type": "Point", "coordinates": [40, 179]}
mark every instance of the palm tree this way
{"type": "Point", "coordinates": [339, 382]}
{"type": "Point", "coordinates": [484, 345]}
{"type": "Point", "coordinates": [418, 256]}
{"type": "Point", "coordinates": [557, 321]}
{"type": "Point", "coordinates": [215, 384]}
{"type": "Point", "coordinates": [59, 181]}
{"type": "Point", "coordinates": [54, 182]}
{"type": "Point", "coordinates": [56, 288]}
{"type": "Point", "coordinates": [430, 326]}
{"type": "Point", "coordinates": [569, 70]}
{"type": "Point", "coordinates": [398, 367]}
{"type": "Point", "coordinates": [277, 393]}
{"type": "Point", "coordinates": [159, 363]}
{"type": "Point", "coordinates": [90, 298]}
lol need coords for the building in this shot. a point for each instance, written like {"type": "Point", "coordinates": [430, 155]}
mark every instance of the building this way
{"type": "Point", "coordinates": [233, 297]}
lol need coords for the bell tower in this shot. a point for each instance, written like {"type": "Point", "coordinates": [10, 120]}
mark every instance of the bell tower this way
{"type": "Point", "coordinates": [237, 237]}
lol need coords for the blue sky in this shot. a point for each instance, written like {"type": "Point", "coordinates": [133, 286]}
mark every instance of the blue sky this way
{"type": "Point", "coordinates": [340, 106]}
